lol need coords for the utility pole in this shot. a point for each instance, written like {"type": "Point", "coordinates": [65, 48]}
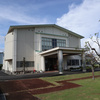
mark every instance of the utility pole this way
{"type": "Point", "coordinates": [24, 64]}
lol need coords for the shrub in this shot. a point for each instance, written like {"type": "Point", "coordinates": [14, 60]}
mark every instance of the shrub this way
{"type": "Point", "coordinates": [88, 67]}
{"type": "Point", "coordinates": [96, 65]}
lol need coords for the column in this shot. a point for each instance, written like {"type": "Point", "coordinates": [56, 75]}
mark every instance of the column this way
{"type": "Point", "coordinates": [83, 62]}
{"type": "Point", "coordinates": [42, 63]}
{"type": "Point", "coordinates": [60, 61]}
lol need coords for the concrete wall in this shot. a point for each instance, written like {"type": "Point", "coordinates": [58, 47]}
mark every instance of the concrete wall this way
{"type": "Point", "coordinates": [51, 30]}
{"type": "Point", "coordinates": [74, 41]}
{"type": "Point", "coordinates": [25, 44]}
{"type": "Point", "coordinates": [9, 46]}
{"type": "Point", "coordinates": [8, 52]}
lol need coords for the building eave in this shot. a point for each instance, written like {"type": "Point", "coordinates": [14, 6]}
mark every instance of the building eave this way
{"type": "Point", "coordinates": [44, 25]}
{"type": "Point", "coordinates": [63, 49]}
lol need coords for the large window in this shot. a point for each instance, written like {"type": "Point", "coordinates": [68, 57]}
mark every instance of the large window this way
{"type": "Point", "coordinates": [27, 63]}
{"type": "Point", "coordinates": [72, 62]}
{"type": "Point", "coordinates": [48, 43]}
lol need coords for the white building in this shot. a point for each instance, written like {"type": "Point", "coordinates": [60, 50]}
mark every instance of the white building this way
{"type": "Point", "coordinates": [1, 57]}
{"type": "Point", "coordinates": [44, 47]}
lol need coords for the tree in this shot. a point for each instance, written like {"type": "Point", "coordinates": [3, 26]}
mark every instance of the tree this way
{"type": "Point", "coordinates": [92, 61]}
{"type": "Point", "coordinates": [92, 55]}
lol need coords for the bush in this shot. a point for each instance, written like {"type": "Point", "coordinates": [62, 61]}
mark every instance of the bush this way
{"type": "Point", "coordinates": [76, 69]}
{"type": "Point", "coordinates": [96, 66]}
{"type": "Point", "coordinates": [88, 67]}
{"type": "Point", "coordinates": [1, 66]}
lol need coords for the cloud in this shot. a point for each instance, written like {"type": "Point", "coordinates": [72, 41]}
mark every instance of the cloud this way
{"type": "Point", "coordinates": [93, 44]}
{"type": "Point", "coordinates": [19, 14]}
{"type": "Point", "coordinates": [25, 12]}
{"type": "Point", "coordinates": [82, 19]}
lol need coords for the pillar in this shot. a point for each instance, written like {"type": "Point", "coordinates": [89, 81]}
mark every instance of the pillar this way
{"type": "Point", "coordinates": [83, 62]}
{"type": "Point", "coordinates": [60, 61]}
{"type": "Point", "coordinates": [42, 63]}
{"type": "Point", "coordinates": [14, 50]}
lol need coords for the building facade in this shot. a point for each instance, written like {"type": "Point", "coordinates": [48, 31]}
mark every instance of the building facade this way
{"type": "Point", "coordinates": [43, 47]}
{"type": "Point", "coordinates": [1, 57]}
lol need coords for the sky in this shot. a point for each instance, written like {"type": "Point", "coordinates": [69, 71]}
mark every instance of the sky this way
{"type": "Point", "coordinates": [79, 16]}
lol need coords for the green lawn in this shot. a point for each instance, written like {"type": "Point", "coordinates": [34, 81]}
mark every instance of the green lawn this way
{"type": "Point", "coordinates": [90, 89]}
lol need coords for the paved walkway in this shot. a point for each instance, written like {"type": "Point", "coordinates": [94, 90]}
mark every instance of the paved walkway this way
{"type": "Point", "coordinates": [4, 77]}
{"type": "Point", "coordinates": [3, 74]}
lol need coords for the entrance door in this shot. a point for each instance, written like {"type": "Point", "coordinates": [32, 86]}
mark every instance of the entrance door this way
{"type": "Point", "coordinates": [51, 64]}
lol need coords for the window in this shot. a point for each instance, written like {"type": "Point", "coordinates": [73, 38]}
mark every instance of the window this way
{"type": "Point", "coordinates": [72, 62]}
{"type": "Point", "coordinates": [54, 43]}
{"type": "Point", "coordinates": [69, 62]}
{"type": "Point", "coordinates": [48, 43]}
{"type": "Point", "coordinates": [27, 63]}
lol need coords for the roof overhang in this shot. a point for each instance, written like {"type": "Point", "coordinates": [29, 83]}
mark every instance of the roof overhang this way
{"type": "Point", "coordinates": [44, 25]}
{"type": "Point", "coordinates": [65, 51]}
{"type": "Point", "coordinates": [8, 59]}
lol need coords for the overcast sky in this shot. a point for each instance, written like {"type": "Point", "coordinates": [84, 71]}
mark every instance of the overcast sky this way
{"type": "Point", "coordinates": [80, 16]}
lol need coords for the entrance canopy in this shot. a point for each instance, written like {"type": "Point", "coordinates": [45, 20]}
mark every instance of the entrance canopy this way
{"type": "Point", "coordinates": [64, 50]}
{"type": "Point", "coordinates": [60, 51]}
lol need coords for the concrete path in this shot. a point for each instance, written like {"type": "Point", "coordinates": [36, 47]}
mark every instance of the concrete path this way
{"type": "Point", "coordinates": [3, 74]}
{"type": "Point", "coordinates": [4, 77]}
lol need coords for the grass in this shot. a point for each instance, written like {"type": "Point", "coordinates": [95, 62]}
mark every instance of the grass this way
{"type": "Point", "coordinates": [90, 89]}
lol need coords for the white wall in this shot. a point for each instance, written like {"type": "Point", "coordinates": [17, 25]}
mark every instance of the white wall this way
{"type": "Point", "coordinates": [25, 44]}
{"type": "Point", "coordinates": [74, 41]}
{"type": "Point", "coordinates": [8, 46]}
{"type": "Point", "coordinates": [51, 30]}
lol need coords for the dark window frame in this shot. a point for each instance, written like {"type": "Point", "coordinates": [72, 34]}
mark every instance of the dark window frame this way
{"type": "Point", "coordinates": [72, 62]}
{"type": "Point", "coordinates": [27, 64]}
{"type": "Point", "coordinates": [49, 43]}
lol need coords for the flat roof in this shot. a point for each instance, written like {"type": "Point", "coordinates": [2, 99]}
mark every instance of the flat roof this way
{"type": "Point", "coordinates": [11, 28]}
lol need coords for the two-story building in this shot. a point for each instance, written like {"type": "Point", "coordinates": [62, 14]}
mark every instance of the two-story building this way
{"type": "Point", "coordinates": [43, 47]}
